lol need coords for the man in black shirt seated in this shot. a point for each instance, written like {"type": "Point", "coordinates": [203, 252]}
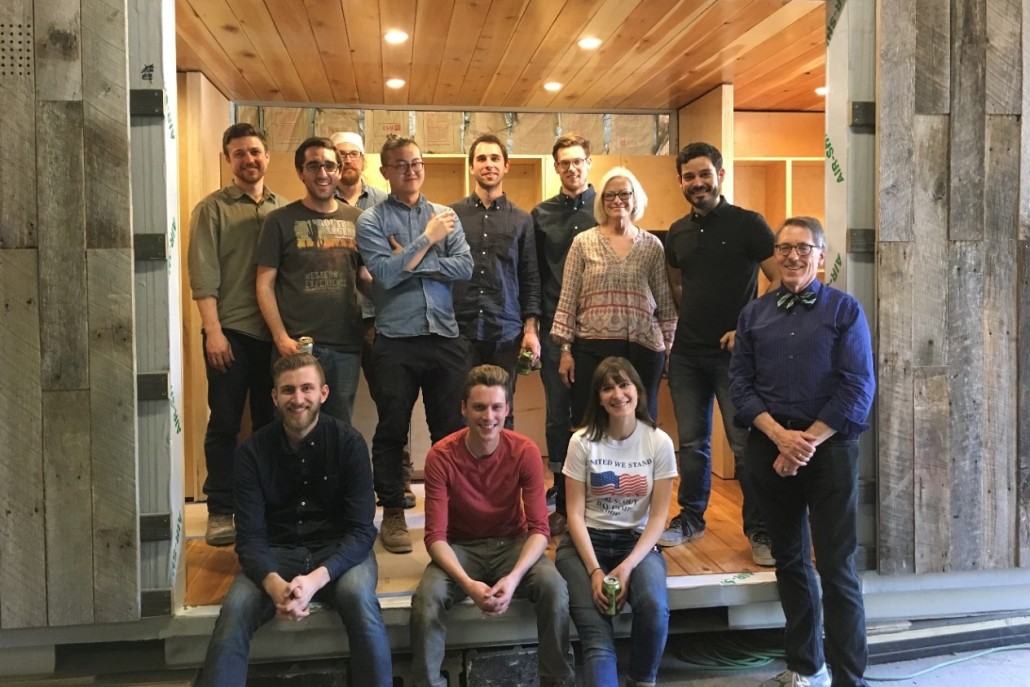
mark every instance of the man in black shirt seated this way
{"type": "Point", "coordinates": [304, 531]}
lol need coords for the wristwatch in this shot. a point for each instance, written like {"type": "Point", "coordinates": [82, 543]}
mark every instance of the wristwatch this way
{"type": "Point", "coordinates": [566, 348]}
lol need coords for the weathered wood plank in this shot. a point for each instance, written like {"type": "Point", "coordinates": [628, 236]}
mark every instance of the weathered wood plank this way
{"type": "Point", "coordinates": [1024, 166]}
{"type": "Point", "coordinates": [931, 469]}
{"type": "Point", "coordinates": [69, 507]}
{"type": "Point", "coordinates": [106, 124]}
{"type": "Point", "coordinates": [896, 544]}
{"type": "Point", "coordinates": [1004, 57]}
{"type": "Point", "coordinates": [17, 132]}
{"type": "Point", "coordinates": [1023, 406]}
{"type": "Point", "coordinates": [23, 601]}
{"type": "Point", "coordinates": [58, 44]}
{"type": "Point", "coordinates": [897, 104]}
{"type": "Point", "coordinates": [968, 109]}
{"type": "Point", "coordinates": [1001, 182]}
{"type": "Point", "coordinates": [965, 292]}
{"type": "Point", "coordinates": [933, 56]}
{"type": "Point", "coordinates": [113, 435]}
{"type": "Point", "coordinates": [62, 246]}
{"type": "Point", "coordinates": [930, 248]}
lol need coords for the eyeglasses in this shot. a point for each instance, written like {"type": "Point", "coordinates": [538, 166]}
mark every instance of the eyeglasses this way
{"type": "Point", "coordinates": [575, 162]}
{"type": "Point", "coordinates": [803, 249]}
{"type": "Point", "coordinates": [609, 196]}
{"type": "Point", "coordinates": [403, 167]}
{"type": "Point", "coordinates": [328, 166]}
{"type": "Point", "coordinates": [350, 154]}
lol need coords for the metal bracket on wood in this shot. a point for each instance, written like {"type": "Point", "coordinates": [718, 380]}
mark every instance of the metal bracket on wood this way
{"type": "Point", "coordinates": [155, 602]}
{"type": "Point", "coordinates": [155, 527]}
{"type": "Point", "coordinates": [147, 102]}
{"type": "Point", "coordinates": [861, 241]}
{"type": "Point", "coordinates": [863, 117]}
{"type": "Point", "coordinates": [150, 246]}
{"type": "Point", "coordinates": [152, 386]}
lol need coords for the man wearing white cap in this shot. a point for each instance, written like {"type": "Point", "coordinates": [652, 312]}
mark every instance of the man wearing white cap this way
{"type": "Point", "coordinates": [351, 188]}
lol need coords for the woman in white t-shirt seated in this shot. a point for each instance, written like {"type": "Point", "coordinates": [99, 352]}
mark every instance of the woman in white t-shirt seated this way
{"type": "Point", "coordinates": [618, 481]}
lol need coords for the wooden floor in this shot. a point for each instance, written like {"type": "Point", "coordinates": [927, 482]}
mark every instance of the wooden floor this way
{"type": "Point", "coordinates": [723, 549]}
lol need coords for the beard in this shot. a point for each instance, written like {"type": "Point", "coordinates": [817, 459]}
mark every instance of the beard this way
{"type": "Point", "coordinates": [298, 424]}
{"type": "Point", "coordinates": [349, 176]}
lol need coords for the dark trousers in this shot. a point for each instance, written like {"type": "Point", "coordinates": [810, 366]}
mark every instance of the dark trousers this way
{"type": "Point", "coordinates": [503, 354]}
{"type": "Point", "coordinates": [250, 373]}
{"type": "Point", "coordinates": [433, 364]}
{"type": "Point", "coordinates": [817, 507]}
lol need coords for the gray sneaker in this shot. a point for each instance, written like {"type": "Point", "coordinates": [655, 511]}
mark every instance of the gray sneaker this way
{"type": "Point", "coordinates": [680, 532]}
{"type": "Point", "coordinates": [789, 678]}
{"type": "Point", "coordinates": [761, 549]}
{"type": "Point", "coordinates": [220, 529]}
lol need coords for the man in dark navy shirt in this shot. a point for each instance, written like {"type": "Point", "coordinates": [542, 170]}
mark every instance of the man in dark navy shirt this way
{"type": "Point", "coordinates": [557, 221]}
{"type": "Point", "coordinates": [802, 377]}
{"type": "Point", "coordinates": [497, 310]}
{"type": "Point", "coordinates": [714, 254]}
{"type": "Point", "coordinates": [304, 531]}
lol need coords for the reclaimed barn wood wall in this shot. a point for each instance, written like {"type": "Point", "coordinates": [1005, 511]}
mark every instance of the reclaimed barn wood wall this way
{"type": "Point", "coordinates": [69, 541]}
{"type": "Point", "coordinates": [954, 285]}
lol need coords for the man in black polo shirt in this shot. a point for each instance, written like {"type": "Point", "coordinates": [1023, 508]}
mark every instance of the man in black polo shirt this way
{"type": "Point", "coordinates": [713, 255]}
{"type": "Point", "coordinates": [497, 310]}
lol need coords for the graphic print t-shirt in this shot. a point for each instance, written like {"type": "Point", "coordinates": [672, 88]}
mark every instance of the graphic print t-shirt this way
{"type": "Point", "coordinates": [317, 259]}
{"type": "Point", "coordinates": [619, 475]}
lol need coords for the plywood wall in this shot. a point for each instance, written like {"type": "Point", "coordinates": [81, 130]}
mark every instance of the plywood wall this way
{"type": "Point", "coordinates": [953, 285]}
{"type": "Point", "coordinates": [69, 540]}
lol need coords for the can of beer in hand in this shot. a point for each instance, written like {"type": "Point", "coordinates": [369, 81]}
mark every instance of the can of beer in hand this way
{"type": "Point", "coordinates": [611, 587]}
{"type": "Point", "coordinates": [305, 345]}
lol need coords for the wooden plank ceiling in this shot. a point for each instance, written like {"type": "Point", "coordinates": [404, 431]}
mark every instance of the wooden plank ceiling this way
{"type": "Point", "coordinates": [469, 54]}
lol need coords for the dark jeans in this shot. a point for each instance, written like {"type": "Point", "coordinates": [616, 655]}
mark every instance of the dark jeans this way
{"type": "Point", "coordinates": [433, 364]}
{"type": "Point", "coordinates": [558, 397]}
{"type": "Point", "coordinates": [250, 373]}
{"type": "Point", "coordinates": [694, 381]}
{"type": "Point", "coordinates": [648, 599]}
{"type": "Point", "coordinates": [503, 354]}
{"type": "Point", "coordinates": [817, 507]}
{"type": "Point", "coordinates": [247, 607]}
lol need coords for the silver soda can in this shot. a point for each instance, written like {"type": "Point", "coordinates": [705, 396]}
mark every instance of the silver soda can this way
{"type": "Point", "coordinates": [612, 587]}
{"type": "Point", "coordinates": [306, 344]}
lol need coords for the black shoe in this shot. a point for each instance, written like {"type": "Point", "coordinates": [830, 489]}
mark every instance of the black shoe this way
{"type": "Point", "coordinates": [552, 497]}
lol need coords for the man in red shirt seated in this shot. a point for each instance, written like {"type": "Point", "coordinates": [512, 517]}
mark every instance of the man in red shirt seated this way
{"type": "Point", "coordinates": [486, 531]}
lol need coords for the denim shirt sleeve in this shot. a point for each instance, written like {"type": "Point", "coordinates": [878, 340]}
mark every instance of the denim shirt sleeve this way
{"type": "Point", "coordinates": [448, 260]}
{"type": "Point", "coordinates": [374, 244]}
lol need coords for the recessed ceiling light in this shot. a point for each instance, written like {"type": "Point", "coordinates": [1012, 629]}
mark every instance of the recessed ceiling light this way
{"type": "Point", "coordinates": [552, 86]}
{"type": "Point", "coordinates": [590, 43]}
{"type": "Point", "coordinates": [821, 90]}
{"type": "Point", "coordinates": [395, 83]}
{"type": "Point", "coordinates": [395, 36]}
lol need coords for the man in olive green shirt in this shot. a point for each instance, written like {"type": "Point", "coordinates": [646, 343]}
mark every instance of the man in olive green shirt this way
{"type": "Point", "coordinates": [224, 229]}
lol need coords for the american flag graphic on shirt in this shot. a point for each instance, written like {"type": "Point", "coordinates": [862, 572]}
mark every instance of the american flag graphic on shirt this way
{"type": "Point", "coordinates": [609, 483]}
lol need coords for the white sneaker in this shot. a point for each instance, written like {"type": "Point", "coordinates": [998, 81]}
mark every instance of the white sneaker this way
{"type": "Point", "coordinates": [789, 678]}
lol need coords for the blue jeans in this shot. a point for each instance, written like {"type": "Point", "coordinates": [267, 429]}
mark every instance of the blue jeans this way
{"type": "Point", "coordinates": [488, 560]}
{"type": "Point", "coordinates": [437, 366]}
{"type": "Point", "coordinates": [817, 507]}
{"type": "Point", "coordinates": [341, 374]}
{"type": "Point", "coordinates": [694, 380]}
{"type": "Point", "coordinates": [250, 374]}
{"type": "Point", "coordinates": [247, 607]}
{"type": "Point", "coordinates": [648, 599]}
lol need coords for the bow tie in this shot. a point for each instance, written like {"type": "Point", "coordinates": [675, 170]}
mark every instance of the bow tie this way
{"type": "Point", "coordinates": [789, 300]}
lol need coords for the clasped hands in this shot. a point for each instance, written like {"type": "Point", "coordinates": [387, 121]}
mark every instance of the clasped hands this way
{"type": "Point", "coordinates": [796, 449]}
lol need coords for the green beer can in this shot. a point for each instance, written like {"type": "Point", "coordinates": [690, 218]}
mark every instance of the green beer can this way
{"type": "Point", "coordinates": [612, 587]}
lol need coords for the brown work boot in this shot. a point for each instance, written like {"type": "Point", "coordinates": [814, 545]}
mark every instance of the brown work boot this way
{"type": "Point", "coordinates": [394, 531]}
{"type": "Point", "coordinates": [220, 529]}
{"type": "Point", "coordinates": [409, 471]}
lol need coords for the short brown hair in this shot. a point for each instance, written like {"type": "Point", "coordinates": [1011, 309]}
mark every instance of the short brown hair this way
{"type": "Point", "coordinates": [313, 142]}
{"type": "Point", "coordinates": [569, 140]}
{"type": "Point", "coordinates": [487, 138]}
{"type": "Point", "coordinates": [485, 375]}
{"type": "Point", "coordinates": [241, 130]}
{"type": "Point", "coordinates": [392, 143]}
{"type": "Point", "coordinates": [296, 362]}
